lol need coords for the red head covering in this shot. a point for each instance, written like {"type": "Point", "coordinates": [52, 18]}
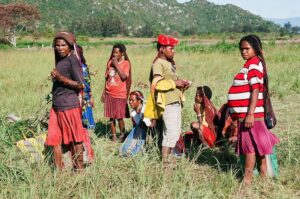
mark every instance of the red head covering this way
{"type": "Point", "coordinates": [167, 40]}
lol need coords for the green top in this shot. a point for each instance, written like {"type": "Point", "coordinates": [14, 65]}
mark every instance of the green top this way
{"type": "Point", "coordinates": [164, 68]}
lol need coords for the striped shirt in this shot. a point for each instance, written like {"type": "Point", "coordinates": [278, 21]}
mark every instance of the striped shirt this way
{"type": "Point", "coordinates": [239, 95]}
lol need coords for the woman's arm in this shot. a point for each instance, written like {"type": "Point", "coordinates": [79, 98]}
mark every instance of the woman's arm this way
{"type": "Point", "coordinates": [249, 120]}
{"type": "Point", "coordinates": [71, 83]}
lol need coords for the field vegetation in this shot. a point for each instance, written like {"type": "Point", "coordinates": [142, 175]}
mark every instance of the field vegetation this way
{"type": "Point", "coordinates": [209, 173]}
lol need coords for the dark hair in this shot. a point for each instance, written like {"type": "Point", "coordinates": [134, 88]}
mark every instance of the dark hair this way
{"type": "Point", "coordinates": [138, 94]}
{"type": "Point", "coordinates": [204, 90]}
{"type": "Point", "coordinates": [80, 53]}
{"type": "Point", "coordinates": [122, 49]}
{"type": "Point", "coordinates": [256, 44]}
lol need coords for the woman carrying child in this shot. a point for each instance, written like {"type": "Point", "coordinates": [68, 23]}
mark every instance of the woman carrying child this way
{"type": "Point", "coordinates": [117, 88]}
{"type": "Point", "coordinates": [65, 124]}
{"type": "Point", "coordinates": [246, 105]}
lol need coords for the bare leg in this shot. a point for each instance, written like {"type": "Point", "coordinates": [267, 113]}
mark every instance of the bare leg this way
{"type": "Point", "coordinates": [249, 166]}
{"type": "Point", "coordinates": [78, 156]}
{"type": "Point", "coordinates": [122, 129]}
{"type": "Point", "coordinates": [58, 157]}
{"type": "Point", "coordinates": [113, 129]}
{"type": "Point", "coordinates": [197, 130]}
{"type": "Point", "coordinates": [165, 155]}
{"type": "Point", "coordinates": [262, 166]}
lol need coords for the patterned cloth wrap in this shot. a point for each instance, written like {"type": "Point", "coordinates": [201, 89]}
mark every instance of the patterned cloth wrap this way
{"type": "Point", "coordinates": [33, 147]}
{"type": "Point", "coordinates": [134, 142]}
{"type": "Point", "coordinates": [136, 139]}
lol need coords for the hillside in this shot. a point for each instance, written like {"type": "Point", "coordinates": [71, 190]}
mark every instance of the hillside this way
{"type": "Point", "coordinates": [145, 17]}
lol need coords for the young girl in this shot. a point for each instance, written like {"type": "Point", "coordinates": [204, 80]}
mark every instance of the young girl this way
{"type": "Point", "coordinates": [206, 114]}
{"type": "Point", "coordinates": [136, 139]}
{"type": "Point", "coordinates": [117, 88]}
{"type": "Point", "coordinates": [65, 124]}
{"type": "Point", "coordinates": [246, 104]}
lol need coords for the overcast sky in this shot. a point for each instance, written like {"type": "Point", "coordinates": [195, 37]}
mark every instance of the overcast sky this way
{"type": "Point", "coordinates": [265, 8]}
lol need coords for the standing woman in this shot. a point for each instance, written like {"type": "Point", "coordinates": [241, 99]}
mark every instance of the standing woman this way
{"type": "Point", "coordinates": [65, 124]}
{"type": "Point", "coordinates": [246, 105]}
{"type": "Point", "coordinates": [117, 88]}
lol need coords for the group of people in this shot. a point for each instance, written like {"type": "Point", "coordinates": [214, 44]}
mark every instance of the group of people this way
{"type": "Point", "coordinates": [71, 112]}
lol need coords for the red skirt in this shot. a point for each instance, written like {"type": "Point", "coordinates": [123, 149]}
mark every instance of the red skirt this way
{"type": "Point", "coordinates": [65, 127]}
{"type": "Point", "coordinates": [115, 108]}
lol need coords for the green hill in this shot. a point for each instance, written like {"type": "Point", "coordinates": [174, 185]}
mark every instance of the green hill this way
{"type": "Point", "coordinates": [145, 17]}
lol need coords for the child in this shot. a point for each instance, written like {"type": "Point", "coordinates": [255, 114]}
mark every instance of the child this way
{"type": "Point", "coordinates": [65, 124]}
{"type": "Point", "coordinates": [204, 127]}
{"type": "Point", "coordinates": [136, 138]}
{"type": "Point", "coordinates": [117, 88]}
{"type": "Point", "coordinates": [246, 105]}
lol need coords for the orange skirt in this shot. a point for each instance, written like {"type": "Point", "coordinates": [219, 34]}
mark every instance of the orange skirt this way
{"type": "Point", "coordinates": [65, 127]}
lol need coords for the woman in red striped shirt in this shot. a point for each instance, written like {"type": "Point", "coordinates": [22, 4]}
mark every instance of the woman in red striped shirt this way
{"type": "Point", "coordinates": [246, 104]}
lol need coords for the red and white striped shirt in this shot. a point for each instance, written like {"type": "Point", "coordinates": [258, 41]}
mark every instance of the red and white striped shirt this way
{"type": "Point", "coordinates": [248, 79]}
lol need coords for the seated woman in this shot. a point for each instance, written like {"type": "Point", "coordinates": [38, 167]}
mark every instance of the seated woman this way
{"type": "Point", "coordinates": [204, 127]}
{"type": "Point", "coordinates": [136, 139]}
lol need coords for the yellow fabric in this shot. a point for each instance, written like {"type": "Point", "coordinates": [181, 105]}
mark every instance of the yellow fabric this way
{"type": "Point", "coordinates": [33, 147]}
{"type": "Point", "coordinates": [164, 68]}
{"type": "Point", "coordinates": [150, 109]}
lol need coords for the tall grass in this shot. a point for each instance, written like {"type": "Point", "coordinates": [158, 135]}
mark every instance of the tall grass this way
{"type": "Point", "coordinates": [210, 174]}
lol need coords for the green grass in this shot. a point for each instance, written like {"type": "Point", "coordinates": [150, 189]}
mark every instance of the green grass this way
{"type": "Point", "coordinates": [212, 173]}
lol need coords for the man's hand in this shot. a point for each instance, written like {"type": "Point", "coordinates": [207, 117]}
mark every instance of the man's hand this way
{"type": "Point", "coordinates": [180, 83]}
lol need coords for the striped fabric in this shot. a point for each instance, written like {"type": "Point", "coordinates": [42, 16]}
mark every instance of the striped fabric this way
{"type": "Point", "coordinates": [248, 79]}
{"type": "Point", "coordinates": [258, 139]}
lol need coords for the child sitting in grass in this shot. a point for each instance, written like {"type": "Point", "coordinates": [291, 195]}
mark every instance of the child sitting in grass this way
{"type": "Point", "coordinates": [204, 127]}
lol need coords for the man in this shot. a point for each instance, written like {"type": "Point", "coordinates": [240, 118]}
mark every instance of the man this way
{"type": "Point", "coordinates": [169, 92]}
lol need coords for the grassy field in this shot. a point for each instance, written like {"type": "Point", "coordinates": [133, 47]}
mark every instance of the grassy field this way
{"type": "Point", "coordinates": [212, 173]}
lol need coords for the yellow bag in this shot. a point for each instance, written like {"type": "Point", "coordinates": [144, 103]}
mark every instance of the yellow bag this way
{"type": "Point", "coordinates": [33, 147]}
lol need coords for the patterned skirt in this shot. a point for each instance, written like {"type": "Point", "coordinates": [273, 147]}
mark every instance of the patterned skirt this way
{"type": "Point", "coordinates": [258, 139]}
{"type": "Point", "coordinates": [115, 108]}
{"type": "Point", "coordinates": [65, 127]}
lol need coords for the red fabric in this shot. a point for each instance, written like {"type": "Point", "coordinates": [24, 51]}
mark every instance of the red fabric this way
{"type": "Point", "coordinates": [248, 79]}
{"type": "Point", "coordinates": [167, 40]}
{"type": "Point", "coordinates": [65, 127]}
{"type": "Point", "coordinates": [208, 135]}
{"type": "Point", "coordinates": [87, 145]}
{"type": "Point", "coordinates": [115, 108]}
{"type": "Point", "coordinates": [258, 139]}
{"type": "Point", "coordinates": [114, 86]}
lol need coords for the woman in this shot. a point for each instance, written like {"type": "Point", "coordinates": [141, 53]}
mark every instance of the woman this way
{"type": "Point", "coordinates": [116, 90]}
{"type": "Point", "coordinates": [246, 105]}
{"type": "Point", "coordinates": [65, 124]}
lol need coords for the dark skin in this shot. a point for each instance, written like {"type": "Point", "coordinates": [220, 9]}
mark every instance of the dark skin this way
{"type": "Point", "coordinates": [117, 57]}
{"type": "Point", "coordinates": [248, 52]}
{"type": "Point", "coordinates": [64, 50]}
{"type": "Point", "coordinates": [167, 53]}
